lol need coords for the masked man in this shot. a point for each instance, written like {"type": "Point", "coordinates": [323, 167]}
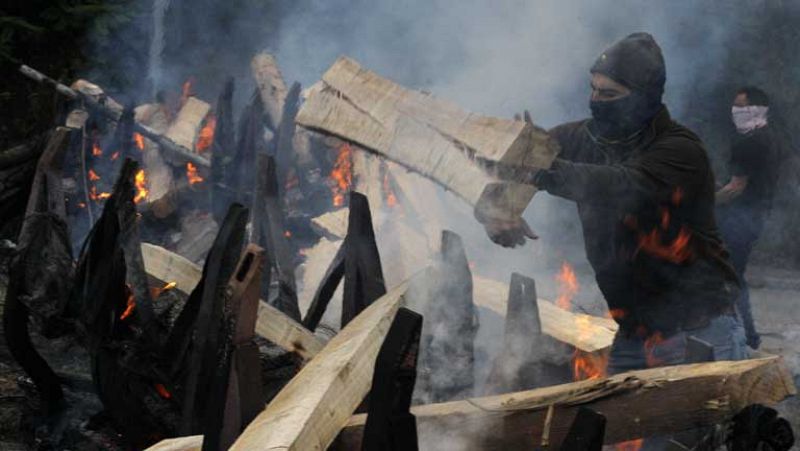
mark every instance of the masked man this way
{"type": "Point", "coordinates": [645, 195]}
{"type": "Point", "coordinates": [746, 199]}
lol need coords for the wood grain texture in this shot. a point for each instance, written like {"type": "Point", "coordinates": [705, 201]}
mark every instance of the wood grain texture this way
{"type": "Point", "coordinates": [272, 324]}
{"type": "Point", "coordinates": [184, 129]}
{"type": "Point", "coordinates": [636, 404]}
{"type": "Point", "coordinates": [271, 86]}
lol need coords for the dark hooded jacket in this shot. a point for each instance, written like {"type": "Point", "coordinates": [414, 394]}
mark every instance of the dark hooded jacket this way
{"type": "Point", "coordinates": [647, 210]}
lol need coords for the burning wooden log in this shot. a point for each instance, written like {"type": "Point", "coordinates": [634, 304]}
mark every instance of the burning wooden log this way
{"type": "Point", "coordinates": [223, 150]}
{"type": "Point", "coordinates": [427, 135]}
{"type": "Point", "coordinates": [310, 411]}
{"type": "Point", "coordinates": [185, 128]}
{"type": "Point", "coordinates": [271, 87]}
{"type": "Point", "coordinates": [179, 153]}
{"type": "Point", "coordinates": [272, 324]}
{"type": "Point", "coordinates": [636, 404]}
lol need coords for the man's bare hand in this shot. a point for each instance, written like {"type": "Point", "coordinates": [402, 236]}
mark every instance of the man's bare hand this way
{"type": "Point", "coordinates": [509, 233]}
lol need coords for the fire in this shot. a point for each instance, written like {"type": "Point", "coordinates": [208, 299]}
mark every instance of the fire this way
{"type": "Point", "coordinates": [676, 251]}
{"type": "Point", "coordinates": [141, 186]}
{"type": "Point", "coordinates": [391, 199]}
{"type": "Point", "coordinates": [95, 196]}
{"type": "Point", "coordinates": [342, 174]}
{"type": "Point", "coordinates": [96, 150]}
{"type": "Point", "coordinates": [616, 313]}
{"type": "Point", "coordinates": [630, 445]}
{"type": "Point", "coordinates": [156, 292]}
{"type": "Point", "coordinates": [191, 174]}
{"type": "Point", "coordinates": [162, 391]}
{"type": "Point", "coordinates": [649, 349]}
{"type": "Point", "coordinates": [206, 137]}
{"type": "Point", "coordinates": [139, 140]}
{"type": "Point", "coordinates": [93, 177]}
{"type": "Point", "coordinates": [589, 365]}
{"type": "Point", "coordinates": [129, 309]}
{"type": "Point", "coordinates": [567, 286]}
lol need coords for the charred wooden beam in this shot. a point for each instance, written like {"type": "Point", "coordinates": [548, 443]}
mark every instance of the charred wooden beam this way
{"type": "Point", "coordinates": [636, 404]}
{"type": "Point", "coordinates": [40, 274]}
{"type": "Point", "coordinates": [208, 315]}
{"type": "Point", "coordinates": [236, 394]}
{"type": "Point", "coordinates": [174, 150]}
{"type": "Point", "coordinates": [223, 150]}
{"type": "Point", "coordinates": [250, 143]}
{"type": "Point", "coordinates": [447, 359]}
{"type": "Point", "coordinates": [284, 136]}
{"type": "Point", "coordinates": [271, 87]}
{"type": "Point", "coordinates": [363, 276]}
{"type": "Point", "coordinates": [269, 228]}
{"type": "Point", "coordinates": [272, 324]}
{"type": "Point", "coordinates": [390, 426]}
{"type": "Point", "coordinates": [586, 432]}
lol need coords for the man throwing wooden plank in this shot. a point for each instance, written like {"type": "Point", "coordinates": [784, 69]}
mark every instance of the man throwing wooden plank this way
{"type": "Point", "coordinates": [645, 195]}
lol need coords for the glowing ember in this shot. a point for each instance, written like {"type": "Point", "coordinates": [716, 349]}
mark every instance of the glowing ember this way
{"type": "Point", "coordinates": [567, 286]}
{"type": "Point", "coordinates": [96, 150]}
{"type": "Point", "coordinates": [139, 140]}
{"type": "Point", "coordinates": [156, 292]}
{"type": "Point", "coordinates": [631, 445]}
{"type": "Point", "coordinates": [81, 205]}
{"type": "Point", "coordinates": [589, 365]}
{"type": "Point", "coordinates": [93, 177]}
{"type": "Point", "coordinates": [206, 137]}
{"type": "Point", "coordinates": [287, 234]}
{"type": "Point", "coordinates": [191, 174]}
{"type": "Point", "coordinates": [391, 199]}
{"type": "Point", "coordinates": [141, 186]}
{"type": "Point", "coordinates": [162, 391]}
{"type": "Point", "coordinates": [616, 313]}
{"type": "Point", "coordinates": [342, 175]}
{"type": "Point", "coordinates": [95, 196]}
{"type": "Point", "coordinates": [650, 348]}
{"type": "Point", "coordinates": [129, 309]}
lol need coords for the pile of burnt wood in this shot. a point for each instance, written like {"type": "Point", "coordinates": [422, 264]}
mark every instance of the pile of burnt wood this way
{"type": "Point", "coordinates": [225, 354]}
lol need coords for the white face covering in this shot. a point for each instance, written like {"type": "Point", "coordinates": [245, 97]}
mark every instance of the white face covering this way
{"type": "Point", "coordinates": [749, 118]}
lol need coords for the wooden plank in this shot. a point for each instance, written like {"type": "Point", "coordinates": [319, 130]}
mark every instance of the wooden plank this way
{"type": "Point", "coordinates": [425, 134]}
{"type": "Point", "coordinates": [184, 129]}
{"type": "Point", "coordinates": [586, 332]}
{"type": "Point", "coordinates": [309, 412]}
{"type": "Point", "coordinates": [636, 404]}
{"type": "Point", "coordinates": [272, 324]}
{"type": "Point", "coordinates": [332, 225]}
{"type": "Point", "coordinates": [271, 86]}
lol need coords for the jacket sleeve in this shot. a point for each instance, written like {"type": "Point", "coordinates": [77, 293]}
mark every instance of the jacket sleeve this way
{"type": "Point", "coordinates": [650, 177]}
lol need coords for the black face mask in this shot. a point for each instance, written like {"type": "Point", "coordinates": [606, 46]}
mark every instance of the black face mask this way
{"type": "Point", "coordinates": [624, 116]}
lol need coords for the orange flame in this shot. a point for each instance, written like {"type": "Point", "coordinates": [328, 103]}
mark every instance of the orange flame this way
{"type": "Point", "coordinates": [630, 445]}
{"type": "Point", "coordinates": [95, 196]}
{"type": "Point", "coordinates": [206, 136]}
{"type": "Point", "coordinates": [567, 286]}
{"type": "Point", "coordinates": [162, 391]}
{"type": "Point", "coordinates": [677, 251]}
{"type": "Point", "coordinates": [342, 175]}
{"type": "Point", "coordinates": [191, 174]}
{"type": "Point", "coordinates": [139, 140]}
{"type": "Point", "coordinates": [156, 292]}
{"type": "Point", "coordinates": [589, 365]}
{"type": "Point", "coordinates": [391, 199]}
{"type": "Point", "coordinates": [81, 205]}
{"type": "Point", "coordinates": [96, 150]}
{"type": "Point", "coordinates": [141, 186]}
{"type": "Point", "coordinates": [93, 177]}
{"type": "Point", "coordinates": [129, 309]}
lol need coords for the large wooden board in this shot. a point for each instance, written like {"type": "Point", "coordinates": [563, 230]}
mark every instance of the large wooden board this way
{"type": "Point", "coordinates": [636, 404]}
{"type": "Point", "coordinates": [184, 129]}
{"type": "Point", "coordinates": [272, 324]}
{"type": "Point", "coordinates": [427, 135]}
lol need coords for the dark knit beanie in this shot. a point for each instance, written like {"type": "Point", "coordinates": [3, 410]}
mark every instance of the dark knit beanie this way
{"type": "Point", "coordinates": [636, 62]}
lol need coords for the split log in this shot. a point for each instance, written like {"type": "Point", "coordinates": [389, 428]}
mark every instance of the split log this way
{"type": "Point", "coordinates": [427, 135]}
{"type": "Point", "coordinates": [272, 324]}
{"type": "Point", "coordinates": [585, 332]}
{"type": "Point", "coordinates": [636, 404]}
{"type": "Point", "coordinates": [309, 412]}
{"type": "Point", "coordinates": [271, 87]}
{"type": "Point", "coordinates": [159, 174]}
{"type": "Point", "coordinates": [184, 129]}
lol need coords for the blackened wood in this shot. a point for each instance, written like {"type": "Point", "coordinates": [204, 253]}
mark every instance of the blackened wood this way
{"type": "Point", "coordinates": [586, 432]}
{"type": "Point", "coordinates": [21, 153]}
{"type": "Point", "coordinates": [249, 144]}
{"type": "Point", "coordinates": [523, 332]}
{"type": "Point", "coordinates": [220, 265]}
{"type": "Point", "coordinates": [390, 425]}
{"type": "Point", "coordinates": [222, 152]}
{"type": "Point", "coordinates": [363, 276]}
{"type": "Point", "coordinates": [284, 153]}
{"type": "Point", "coordinates": [698, 350]}
{"type": "Point", "coordinates": [448, 356]}
{"type": "Point", "coordinates": [224, 413]}
{"type": "Point", "coordinates": [271, 231]}
{"type": "Point", "coordinates": [327, 287]}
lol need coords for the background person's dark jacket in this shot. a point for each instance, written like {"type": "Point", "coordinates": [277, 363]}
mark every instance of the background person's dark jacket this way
{"type": "Point", "coordinates": [637, 201]}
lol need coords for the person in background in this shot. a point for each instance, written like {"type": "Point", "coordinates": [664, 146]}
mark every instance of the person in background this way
{"type": "Point", "coordinates": [744, 202]}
